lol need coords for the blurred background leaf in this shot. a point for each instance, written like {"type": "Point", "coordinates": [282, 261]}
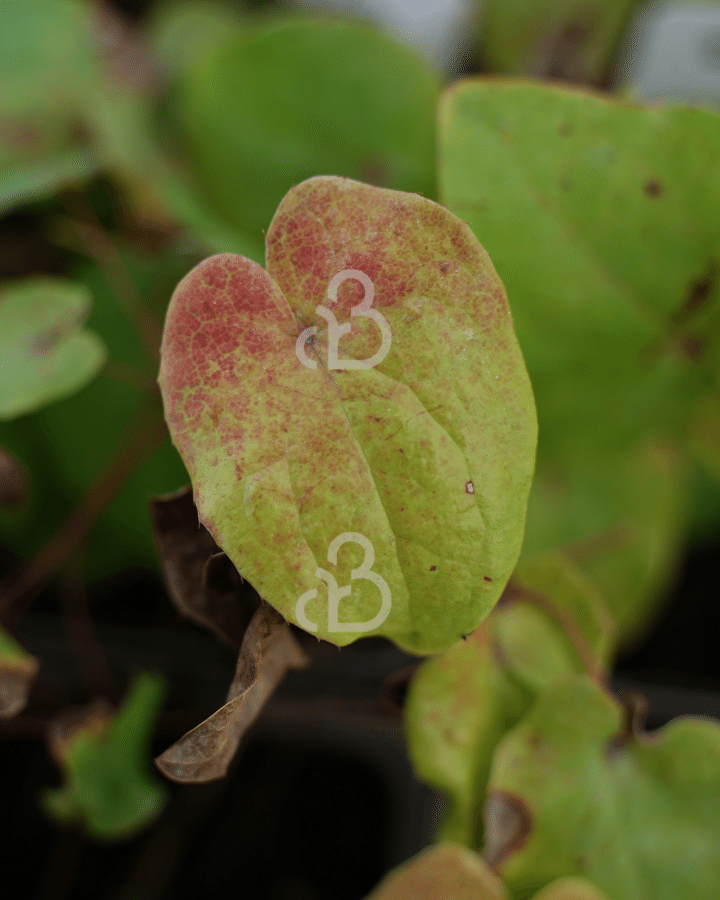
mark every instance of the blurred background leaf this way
{"type": "Point", "coordinates": [601, 226]}
{"type": "Point", "coordinates": [277, 105]}
{"type": "Point", "coordinates": [46, 356]}
{"type": "Point", "coordinates": [109, 788]}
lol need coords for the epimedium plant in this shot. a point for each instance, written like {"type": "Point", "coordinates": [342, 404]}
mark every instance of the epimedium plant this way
{"type": "Point", "coordinates": [353, 409]}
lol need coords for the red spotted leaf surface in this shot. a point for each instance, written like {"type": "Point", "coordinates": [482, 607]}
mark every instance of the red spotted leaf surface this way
{"type": "Point", "coordinates": [357, 420]}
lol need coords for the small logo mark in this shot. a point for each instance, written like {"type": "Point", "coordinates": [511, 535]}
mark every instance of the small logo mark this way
{"type": "Point", "coordinates": [335, 331]}
{"type": "Point", "coordinates": [335, 593]}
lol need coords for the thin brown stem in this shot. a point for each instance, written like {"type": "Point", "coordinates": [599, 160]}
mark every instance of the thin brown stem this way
{"type": "Point", "coordinates": [596, 546]}
{"type": "Point", "coordinates": [572, 631]}
{"type": "Point", "coordinates": [24, 584]}
{"type": "Point", "coordinates": [97, 243]}
{"type": "Point", "coordinates": [80, 632]}
{"type": "Point", "coordinates": [126, 373]}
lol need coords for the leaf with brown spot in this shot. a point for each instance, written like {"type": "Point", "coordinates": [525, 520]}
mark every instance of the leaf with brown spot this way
{"type": "Point", "coordinates": [288, 456]}
{"type": "Point", "coordinates": [17, 673]}
{"type": "Point", "coordinates": [45, 353]}
{"type": "Point", "coordinates": [562, 40]}
{"type": "Point", "coordinates": [461, 703]}
{"type": "Point", "coordinates": [443, 872]}
{"type": "Point", "coordinates": [636, 814]}
{"type": "Point", "coordinates": [205, 587]}
{"type": "Point", "coordinates": [268, 651]}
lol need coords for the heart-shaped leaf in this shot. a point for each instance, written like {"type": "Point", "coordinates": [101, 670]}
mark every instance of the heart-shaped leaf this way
{"type": "Point", "coordinates": [400, 458]}
{"type": "Point", "coordinates": [44, 354]}
{"type": "Point", "coordinates": [574, 791]}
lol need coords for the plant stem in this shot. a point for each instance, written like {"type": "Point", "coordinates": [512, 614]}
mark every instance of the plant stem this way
{"type": "Point", "coordinates": [572, 631]}
{"type": "Point", "coordinates": [25, 583]}
{"type": "Point", "coordinates": [97, 243]}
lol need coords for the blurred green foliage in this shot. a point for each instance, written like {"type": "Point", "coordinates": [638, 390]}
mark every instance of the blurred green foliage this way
{"type": "Point", "coordinates": [109, 787]}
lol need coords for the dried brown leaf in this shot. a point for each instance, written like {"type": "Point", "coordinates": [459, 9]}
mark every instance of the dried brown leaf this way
{"type": "Point", "coordinates": [203, 583]}
{"type": "Point", "coordinates": [268, 650]}
{"type": "Point", "coordinates": [94, 717]}
{"type": "Point", "coordinates": [16, 678]}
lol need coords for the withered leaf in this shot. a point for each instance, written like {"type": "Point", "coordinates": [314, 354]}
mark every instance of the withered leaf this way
{"type": "Point", "coordinates": [17, 673]}
{"type": "Point", "coordinates": [205, 587]}
{"type": "Point", "coordinates": [268, 650]}
{"type": "Point", "coordinates": [92, 718]}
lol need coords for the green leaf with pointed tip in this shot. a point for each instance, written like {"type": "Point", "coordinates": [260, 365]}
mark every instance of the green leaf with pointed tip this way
{"type": "Point", "coordinates": [566, 40]}
{"type": "Point", "coordinates": [443, 872]}
{"type": "Point", "coordinates": [110, 787]}
{"type": "Point", "coordinates": [45, 354]}
{"type": "Point", "coordinates": [572, 794]}
{"type": "Point", "coordinates": [280, 104]}
{"type": "Point", "coordinates": [423, 445]}
{"type": "Point", "coordinates": [622, 516]}
{"type": "Point", "coordinates": [601, 218]}
{"type": "Point", "coordinates": [461, 703]}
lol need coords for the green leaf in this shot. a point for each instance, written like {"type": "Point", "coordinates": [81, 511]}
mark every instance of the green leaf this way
{"type": "Point", "coordinates": [461, 703]}
{"type": "Point", "coordinates": [574, 792]}
{"type": "Point", "coordinates": [457, 708]}
{"type": "Point", "coordinates": [443, 872]}
{"type": "Point", "coordinates": [554, 622]}
{"type": "Point", "coordinates": [278, 105]}
{"type": "Point", "coordinates": [46, 356]}
{"type": "Point", "coordinates": [181, 30]}
{"type": "Point", "coordinates": [46, 71]}
{"type": "Point", "coordinates": [567, 40]}
{"type": "Point", "coordinates": [601, 218]}
{"type": "Point", "coordinates": [109, 785]}
{"type": "Point", "coordinates": [426, 450]}
{"type": "Point", "coordinates": [17, 673]}
{"type": "Point", "coordinates": [622, 517]}
{"type": "Point", "coordinates": [63, 462]}
{"type": "Point", "coordinates": [22, 181]}
{"type": "Point", "coordinates": [705, 432]}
